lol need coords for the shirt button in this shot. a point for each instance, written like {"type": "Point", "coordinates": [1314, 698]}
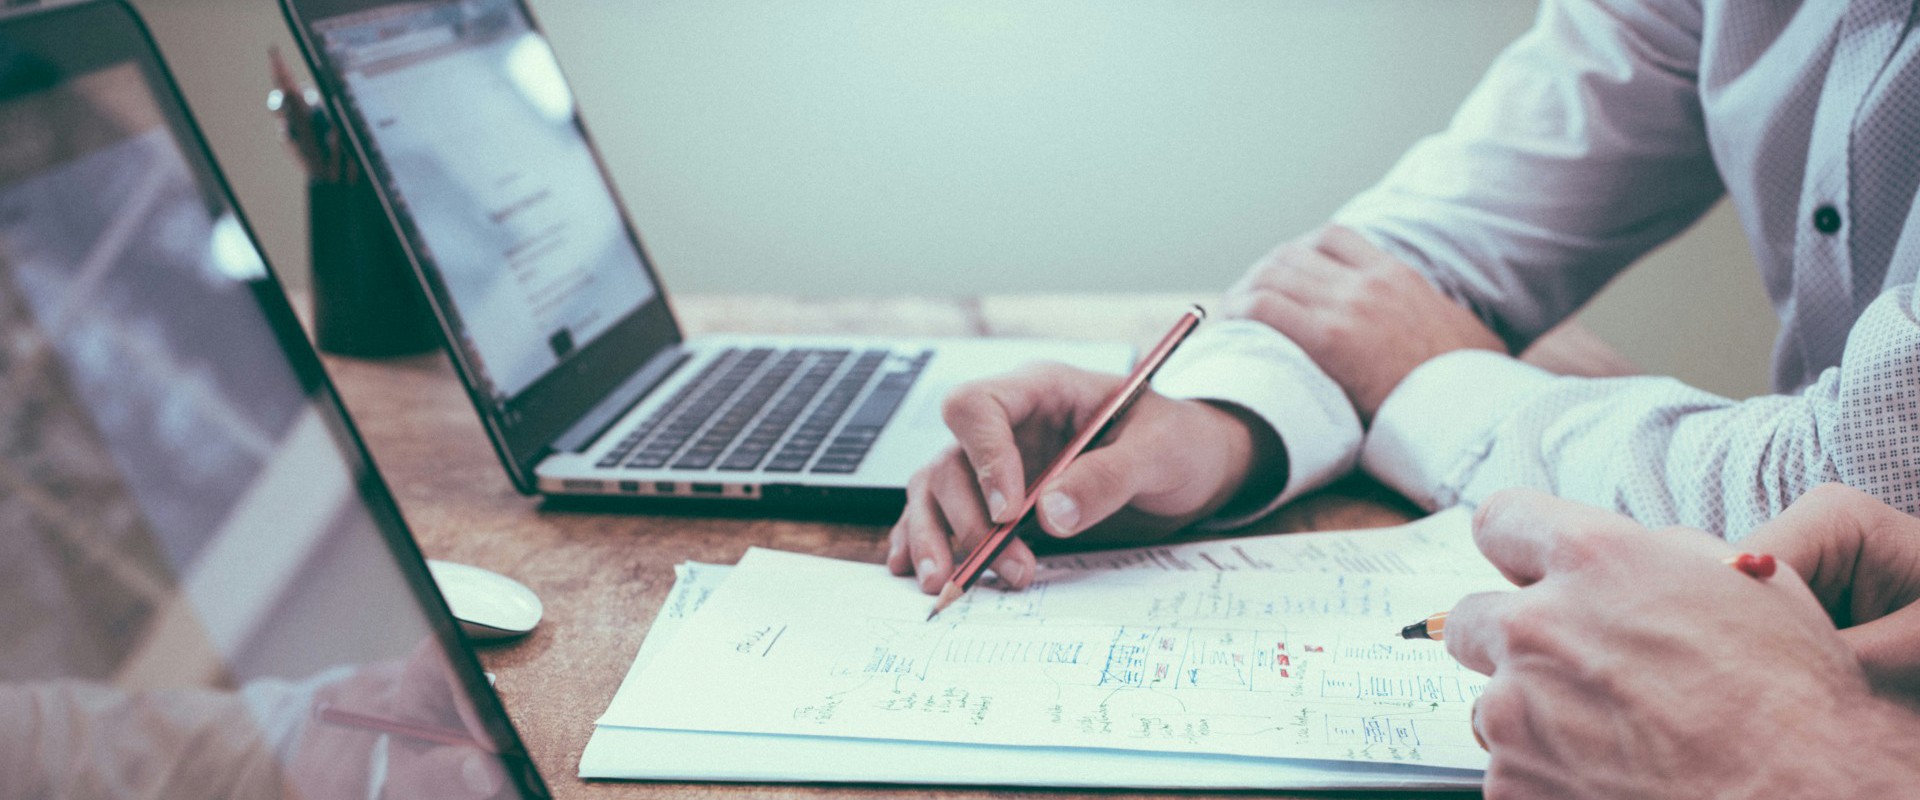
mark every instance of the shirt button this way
{"type": "Point", "coordinates": [1826, 219]}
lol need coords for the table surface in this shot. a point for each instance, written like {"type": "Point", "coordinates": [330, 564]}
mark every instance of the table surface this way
{"type": "Point", "coordinates": [603, 576]}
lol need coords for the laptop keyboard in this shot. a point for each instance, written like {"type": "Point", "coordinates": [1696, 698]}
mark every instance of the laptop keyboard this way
{"type": "Point", "coordinates": [777, 410]}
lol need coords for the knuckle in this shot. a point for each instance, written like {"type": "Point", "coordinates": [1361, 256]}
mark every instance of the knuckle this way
{"type": "Point", "coordinates": [918, 485]}
{"type": "Point", "coordinates": [1264, 307]}
{"type": "Point", "coordinates": [1831, 492]}
{"type": "Point", "coordinates": [1500, 713]}
{"type": "Point", "coordinates": [1528, 628]}
{"type": "Point", "coordinates": [1576, 547]}
{"type": "Point", "coordinates": [1837, 497]}
{"type": "Point", "coordinates": [1340, 326]}
{"type": "Point", "coordinates": [1101, 474]}
{"type": "Point", "coordinates": [959, 405]}
{"type": "Point", "coordinates": [1377, 283]}
{"type": "Point", "coordinates": [1492, 508]}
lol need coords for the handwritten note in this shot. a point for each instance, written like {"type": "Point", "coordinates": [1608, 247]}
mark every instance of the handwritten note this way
{"type": "Point", "coordinates": [1273, 646]}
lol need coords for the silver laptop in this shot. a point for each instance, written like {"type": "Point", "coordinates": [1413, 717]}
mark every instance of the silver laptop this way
{"type": "Point", "coordinates": [205, 589]}
{"type": "Point", "coordinates": [553, 314]}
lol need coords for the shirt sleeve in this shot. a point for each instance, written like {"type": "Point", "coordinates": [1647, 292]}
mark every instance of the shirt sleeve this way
{"type": "Point", "coordinates": [1582, 148]}
{"type": "Point", "coordinates": [1256, 368]}
{"type": "Point", "coordinates": [1467, 424]}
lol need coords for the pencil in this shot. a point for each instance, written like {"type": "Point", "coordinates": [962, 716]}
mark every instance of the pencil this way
{"type": "Point", "coordinates": [290, 102]}
{"type": "Point", "coordinates": [1433, 627]}
{"type": "Point", "coordinates": [968, 571]}
{"type": "Point", "coordinates": [1759, 567]}
{"type": "Point", "coordinates": [328, 713]}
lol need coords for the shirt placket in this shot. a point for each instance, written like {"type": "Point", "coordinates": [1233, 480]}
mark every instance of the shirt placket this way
{"type": "Point", "coordinates": [1823, 268]}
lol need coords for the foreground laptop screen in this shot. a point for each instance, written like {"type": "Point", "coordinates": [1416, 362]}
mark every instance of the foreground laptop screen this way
{"type": "Point", "coordinates": [202, 591]}
{"type": "Point", "coordinates": [475, 131]}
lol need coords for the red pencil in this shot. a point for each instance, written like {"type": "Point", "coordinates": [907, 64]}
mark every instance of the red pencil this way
{"type": "Point", "coordinates": [968, 572]}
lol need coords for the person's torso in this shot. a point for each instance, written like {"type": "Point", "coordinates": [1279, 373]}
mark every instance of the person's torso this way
{"type": "Point", "coordinates": [1813, 112]}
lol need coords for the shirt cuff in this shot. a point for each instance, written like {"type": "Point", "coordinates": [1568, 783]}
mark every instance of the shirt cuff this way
{"type": "Point", "coordinates": [1254, 367]}
{"type": "Point", "coordinates": [1437, 425]}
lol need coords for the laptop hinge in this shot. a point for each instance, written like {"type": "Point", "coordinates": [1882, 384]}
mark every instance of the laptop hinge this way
{"type": "Point", "coordinates": [594, 424]}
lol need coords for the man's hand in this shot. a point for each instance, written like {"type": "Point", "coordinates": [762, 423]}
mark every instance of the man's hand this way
{"type": "Point", "coordinates": [1165, 464]}
{"type": "Point", "coordinates": [1862, 559]}
{"type": "Point", "coordinates": [1363, 316]}
{"type": "Point", "coordinates": [1636, 664]}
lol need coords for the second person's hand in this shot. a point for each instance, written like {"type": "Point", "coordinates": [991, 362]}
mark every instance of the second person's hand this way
{"type": "Point", "coordinates": [1861, 557]}
{"type": "Point", "coordinates": [1165, 464]}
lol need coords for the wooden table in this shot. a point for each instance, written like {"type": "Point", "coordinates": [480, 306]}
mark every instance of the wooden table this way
{"type": "Point", "coordinates": [603, 577]}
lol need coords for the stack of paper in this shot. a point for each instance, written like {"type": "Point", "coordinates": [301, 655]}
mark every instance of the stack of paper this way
{"type": "Point", "coordinates": [1269, 662]}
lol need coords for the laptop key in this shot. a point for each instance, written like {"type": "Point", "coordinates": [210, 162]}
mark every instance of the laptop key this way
{"type": "Point", "coordinates": [645, 461]}
{"type": "Point", "coordinates": [696, 461]}
{"type": "Point", "coordinates": [785, 464]}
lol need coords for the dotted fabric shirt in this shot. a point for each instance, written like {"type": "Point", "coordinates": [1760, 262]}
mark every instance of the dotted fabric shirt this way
{"type": "Point", "coordinates": [1607, 129]}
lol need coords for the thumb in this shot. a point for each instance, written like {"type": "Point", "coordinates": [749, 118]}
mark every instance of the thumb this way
{"type": "Point", "coordinates": [1818, 537]}
{"type": "Point", "coordinates": [1889, 651]}
{"type": "Point", "coordinates": [1094, 486]}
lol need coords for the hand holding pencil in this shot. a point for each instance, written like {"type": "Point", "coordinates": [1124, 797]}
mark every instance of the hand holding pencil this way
{"type": "Point", "coordinates": [1155, 469]}
{"type": "Point", "coordinates": [1646, 663]}
{"type": "Point", "coordinates": [1165, 464]}
{"type": "Point", "coordinates": [1102, 420]}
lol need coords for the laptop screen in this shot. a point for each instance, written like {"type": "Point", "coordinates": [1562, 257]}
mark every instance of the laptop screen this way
{"type": "Point", "coordinates": [472, 134]}
{"type": "Point", "coordinates": [204, 589]}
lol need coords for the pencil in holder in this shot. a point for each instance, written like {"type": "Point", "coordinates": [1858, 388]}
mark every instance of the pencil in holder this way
{"type": "Point", "coordinates": [366, 300]}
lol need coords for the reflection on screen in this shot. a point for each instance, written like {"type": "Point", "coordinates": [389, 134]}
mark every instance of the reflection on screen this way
{"type": "Point", "coordinates": [195, 600]}
{"type": "Point", "coordinates": [476, 126]}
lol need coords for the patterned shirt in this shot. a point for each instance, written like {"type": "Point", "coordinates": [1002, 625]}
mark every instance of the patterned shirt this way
{"type": "Point", "coordinates": [1607, 129]}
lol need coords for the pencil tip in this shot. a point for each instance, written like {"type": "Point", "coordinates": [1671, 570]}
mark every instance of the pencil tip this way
{"type": "Point", "coordinates": [949, 594]}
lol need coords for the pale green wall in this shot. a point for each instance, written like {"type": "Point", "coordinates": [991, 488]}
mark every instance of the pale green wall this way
{"type": "Point", "coordinates": [964, 146]}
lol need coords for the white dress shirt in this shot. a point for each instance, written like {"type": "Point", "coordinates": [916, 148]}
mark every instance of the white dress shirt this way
{"type": "Point", "coordinates": [1607, 129]}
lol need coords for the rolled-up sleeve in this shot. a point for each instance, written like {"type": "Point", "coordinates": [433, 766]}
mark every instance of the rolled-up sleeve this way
{"type": "Point", "coordinates": [1582, 148]}
{"type": "Point", "coordinates": [1466, 425]}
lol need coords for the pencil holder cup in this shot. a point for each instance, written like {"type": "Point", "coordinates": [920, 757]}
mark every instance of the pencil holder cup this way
{"type": "Point", "coordinates": [366, 301]}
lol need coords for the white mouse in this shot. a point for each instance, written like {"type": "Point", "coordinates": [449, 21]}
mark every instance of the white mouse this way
{"type": "Point", "coordinates": [488, 605]}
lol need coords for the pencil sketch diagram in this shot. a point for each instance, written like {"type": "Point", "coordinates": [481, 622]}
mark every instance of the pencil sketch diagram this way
{"type": "Point", "coordinates": [1183, 598]}
{"type": "Point", "coordinates": [1238, 662]}
{"type": "Point", "coordinates": [1253, 691]}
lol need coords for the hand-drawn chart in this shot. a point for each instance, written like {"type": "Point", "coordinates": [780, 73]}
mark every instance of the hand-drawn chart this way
{"type": "Point", "coordinates": [1288, 655]}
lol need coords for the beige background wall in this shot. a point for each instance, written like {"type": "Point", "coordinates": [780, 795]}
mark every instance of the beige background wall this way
{"type": "Point", "coordinates": [963, 146]}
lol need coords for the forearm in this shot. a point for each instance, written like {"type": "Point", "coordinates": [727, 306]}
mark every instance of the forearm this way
{"type": "Point", "coordinates": [1581, 149]}
{"type": "Point", "coordinates": [1466, 425]}
{"type": "Point", "coordinates": [1869, 751]}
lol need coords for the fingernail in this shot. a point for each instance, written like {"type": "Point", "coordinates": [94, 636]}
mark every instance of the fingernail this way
{"type": "Point", "coordinates": [477, 776]}
{"type": "Point", "coordinates": [1016, 573]}
{"type": "Point", "coordinates": [1061, 511]}
{"type": "Point", "coordinates": [893, 550]}
{"type": "Point", "coordinates": [925, 569]}
{"type": "Point", "coordinates": [996, 504]}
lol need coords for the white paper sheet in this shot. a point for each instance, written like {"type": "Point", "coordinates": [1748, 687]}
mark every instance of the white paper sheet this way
{"type": "Point", "coordinates": [1269, 647]}
{"type": "Point", "coordinates": [641, 754]}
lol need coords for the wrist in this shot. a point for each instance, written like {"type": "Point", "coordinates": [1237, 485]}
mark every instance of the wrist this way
{"type": "Point", "coordinates": [1255, 461]}
{"type": "Point", "coordinates": [1865, 747]}
{"type": "Point", "coordinates": [1888, 734]}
